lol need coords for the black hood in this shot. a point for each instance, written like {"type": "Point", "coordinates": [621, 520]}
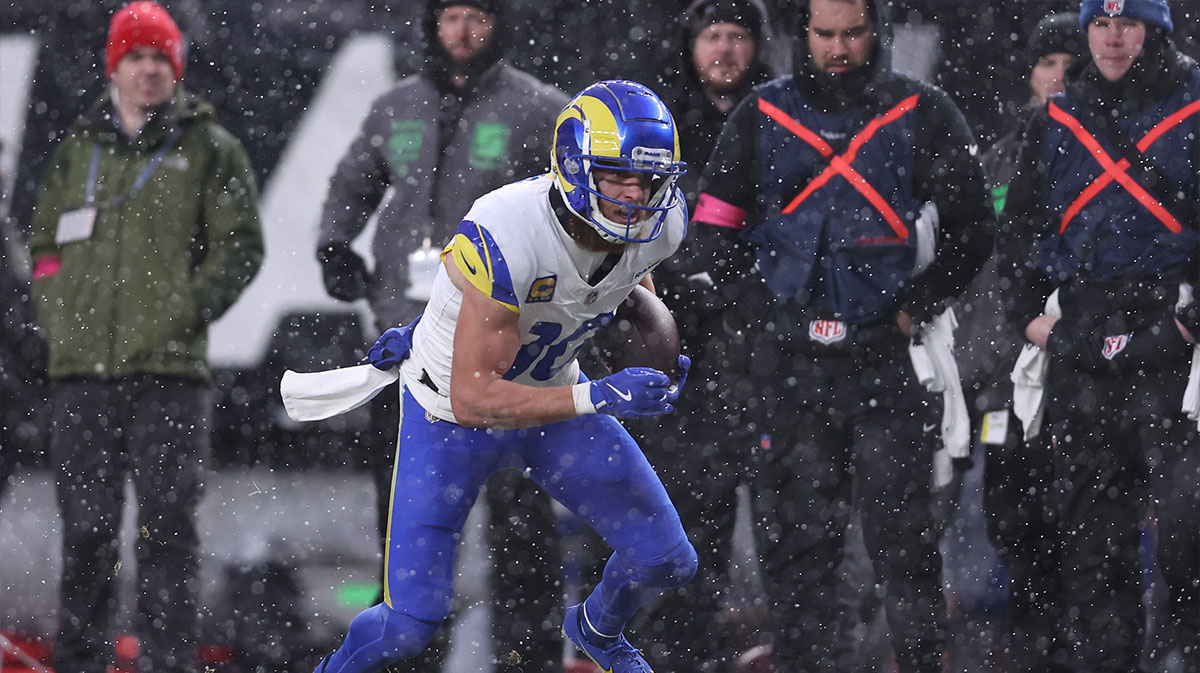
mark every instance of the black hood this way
{"type": "Point", "coordinates": [758, 72]}
{"type": "Point", "coordinates": [1154, 76]}
{"type": "Point", "coordinates": [437, 62]}
{"type": "Point", "coordinates": [699, 14]}
{"type": "Point", "coordinates": [847, 88]}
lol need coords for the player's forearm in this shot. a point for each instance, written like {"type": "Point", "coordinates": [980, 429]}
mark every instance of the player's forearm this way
{"type": "Point", "coordinates": [504, 404]}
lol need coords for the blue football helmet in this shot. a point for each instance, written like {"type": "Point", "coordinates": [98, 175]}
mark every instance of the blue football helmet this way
{"type": "Point", "coordinates": [623, 126]}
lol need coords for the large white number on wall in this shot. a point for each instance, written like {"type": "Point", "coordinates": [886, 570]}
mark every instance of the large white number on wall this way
{"type": "Point", "coordinates": [290, 279]}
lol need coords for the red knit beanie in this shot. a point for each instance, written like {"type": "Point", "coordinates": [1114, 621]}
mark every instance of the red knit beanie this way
{"type": "Point", "coordinates": [144, 24]}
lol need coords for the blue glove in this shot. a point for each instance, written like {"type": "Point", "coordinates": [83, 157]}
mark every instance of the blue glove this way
{"type": "Point", "coordinates": [635, 391]}
{"type": "Point", "coordinates": [685, 363]}
{"type": "Point", "coordinates": [393, 346]}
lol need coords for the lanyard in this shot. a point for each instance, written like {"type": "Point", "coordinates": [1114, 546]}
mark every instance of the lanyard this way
{"type": "Point", "coordinates": [151, 166]}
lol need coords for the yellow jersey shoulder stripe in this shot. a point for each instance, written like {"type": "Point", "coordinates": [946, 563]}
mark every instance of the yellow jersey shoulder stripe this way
{"type": "Point", "coordinates": [481, 262]}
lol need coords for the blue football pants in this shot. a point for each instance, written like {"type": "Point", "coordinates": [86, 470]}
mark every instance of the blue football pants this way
{"type": "Point", "coordinates": [589, 464]}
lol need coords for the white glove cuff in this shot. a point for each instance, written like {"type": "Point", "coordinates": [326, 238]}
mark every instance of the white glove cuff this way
{"type": "Point", "coordinates": [582, 394]}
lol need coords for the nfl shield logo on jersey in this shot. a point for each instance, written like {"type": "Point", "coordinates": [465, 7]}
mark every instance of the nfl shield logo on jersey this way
{"type": "Point", "coordinates": [827, 331]}
{"type": "Point", "coordinates": [1114, 345]}
{"type": "Point", "coordinates": [1114, 6]}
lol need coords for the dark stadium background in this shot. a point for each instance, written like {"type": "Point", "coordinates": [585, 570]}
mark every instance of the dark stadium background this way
{"type": "Point", "coordinates": [261, 62]}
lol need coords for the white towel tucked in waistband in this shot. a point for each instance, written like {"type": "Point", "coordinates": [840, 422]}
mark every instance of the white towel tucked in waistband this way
{"type": "Point", "coordinates": [1029, 379]}
{"type": "Point", "coordinates": [320, 395]}
{"type": "Point", "coordinates": [1029, 382]}
{"type": "Point", "coordinates": [936, 369]}
{"type": "Point", "coordinates": [1191, 396]}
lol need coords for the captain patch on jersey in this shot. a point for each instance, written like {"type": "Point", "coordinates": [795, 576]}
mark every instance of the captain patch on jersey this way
{"type": "Point", "coordinates": [542, 289]}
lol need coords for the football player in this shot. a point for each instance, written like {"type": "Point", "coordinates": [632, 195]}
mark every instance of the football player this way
{"type": "Point", "coordinates": [492, 382]}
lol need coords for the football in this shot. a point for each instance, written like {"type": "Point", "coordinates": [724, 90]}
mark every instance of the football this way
{"type": "Point", "coordinates": [642, 334]}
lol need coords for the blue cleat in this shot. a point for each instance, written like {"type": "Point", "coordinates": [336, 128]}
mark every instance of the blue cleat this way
{"type": "Point", "coordinates": [617, 657]}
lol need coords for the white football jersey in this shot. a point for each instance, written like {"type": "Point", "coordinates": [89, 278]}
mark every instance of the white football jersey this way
{"type": "Point", "coordinates": [511, 247]}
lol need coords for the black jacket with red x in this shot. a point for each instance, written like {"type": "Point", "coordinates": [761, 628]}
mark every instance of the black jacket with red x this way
{"type": "Point", "coordinates": [1088, 218]}
{"type": "Point", "coordinates": [816, 183]}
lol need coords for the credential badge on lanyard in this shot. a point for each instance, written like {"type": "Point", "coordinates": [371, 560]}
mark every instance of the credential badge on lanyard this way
{"type": "Point", "coordinates": [78, 224]}
{"type": "Point", "coordinates": [75, 225]}
{"type": "Point", "coordinates": [422, 270]}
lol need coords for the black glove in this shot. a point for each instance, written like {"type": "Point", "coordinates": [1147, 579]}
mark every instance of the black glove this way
{"type": "Point", "coordinates": [1156, 345]}
{"type": "Point", "coordinates": [344, 271]}
{"type": "Point", "coordinates": [1122, 344]}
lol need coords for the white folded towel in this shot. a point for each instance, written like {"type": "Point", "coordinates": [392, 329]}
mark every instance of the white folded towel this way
{"type": "Point", "coordinates": [927, 238]}
{"type": "Point", "coordinates": [937, 370]}
{"type": "Point", "coordinates": [1029, 379]}
{"type": "Point", "coordinates": [320, 395]}
{"type": "Point", "coordinates": [1191, 396]}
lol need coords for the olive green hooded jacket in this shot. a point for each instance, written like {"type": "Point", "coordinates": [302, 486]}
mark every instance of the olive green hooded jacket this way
{"type": "Point", "coordinates": [136, 296]}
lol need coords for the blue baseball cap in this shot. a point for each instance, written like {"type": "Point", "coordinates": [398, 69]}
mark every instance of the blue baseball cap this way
{"type": "Point", "coordinates": [1151, 11]}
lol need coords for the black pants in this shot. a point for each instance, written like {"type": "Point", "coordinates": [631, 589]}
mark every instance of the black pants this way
{"type": "Point", "coordinates": [1018, 478]}
{"type": "Point", "coordinates": [833, 421]}
{"type": "Point", "coordinates": [525, 551]}
{"type": "Point", "coordinates": [155, 431]}
{"type": "Point", "coordinates": [1118, 446]}
{"type": "Point", "coordinates": [700, 454]}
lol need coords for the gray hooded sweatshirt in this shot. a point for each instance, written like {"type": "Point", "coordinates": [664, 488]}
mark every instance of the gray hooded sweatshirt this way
{"type": "Point", "coordinates": [438, 149]}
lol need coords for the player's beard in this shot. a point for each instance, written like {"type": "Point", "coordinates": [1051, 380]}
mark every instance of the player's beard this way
{"type": "Point", "coordinates": [589, 239]}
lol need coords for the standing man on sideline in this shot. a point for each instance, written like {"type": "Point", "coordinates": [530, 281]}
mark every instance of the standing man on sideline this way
{"type": "Point", "coordinates": [821, 201]}
{"type": "Point", "coordinates": [146, 231]}
{"type": "Point", "coordinates": [1018, 475]}
{"type": "Point", "coordinates": [1056, 43]}
{"type": "Point", "coordinates": [439, 140]}
{"type": "Point", "coordinates": [1102, 217]}
{"type": "Point", "coordinates": [704, 447]}
{"type": "Point", "coordinates": [535, 268]}
{"type": "Point", "coordinates": [722, 61]}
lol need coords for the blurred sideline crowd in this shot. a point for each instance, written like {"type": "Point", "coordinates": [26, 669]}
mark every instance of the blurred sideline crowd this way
{"type": "Point", "coordinates": [1063, 246]}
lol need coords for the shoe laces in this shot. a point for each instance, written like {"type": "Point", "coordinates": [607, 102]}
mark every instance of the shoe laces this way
{"type": "Point", "coordinates": [623, 651]}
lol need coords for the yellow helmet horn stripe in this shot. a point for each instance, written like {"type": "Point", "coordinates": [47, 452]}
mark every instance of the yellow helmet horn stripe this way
{"type": "Point", "coordinates": [676, 157]}
{"type": "Point", "coordinates": [603, 137]}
